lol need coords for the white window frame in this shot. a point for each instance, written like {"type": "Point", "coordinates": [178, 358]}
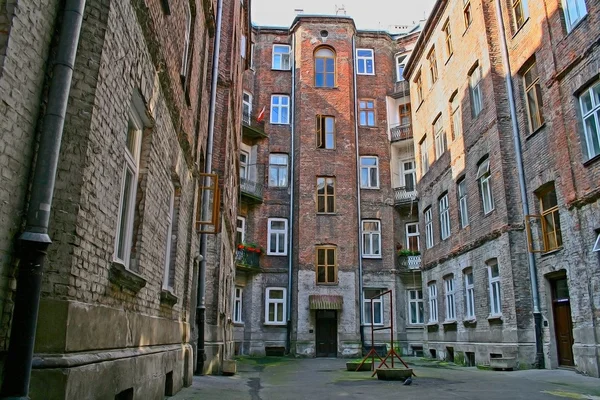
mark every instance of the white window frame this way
{"type": "Point", "coordinates": [400, 64]}
{"type": "Point", "coordinates": [581, 11]}
{"type": "Point", "coordinates": [186, 43]}
{"type": "Point", "coordinates": [237, 305]}
{"type": "Point", "coordinates": [440, 137]}
{"type": "Point", "coordinates": [244, 164]}
{"type": "Point", "coordinates": [362, 62]}
{"type": "Point", "coordinates": [280, 171]}
{"type": "Point", "coordinates": [594, 115]}
{"type": "Point", "coordinates": [241, 229]}
{"type": "Point", "coordinates": [247, 105]}
{"type": "Point", "coordinates": [424, 147]}
{"type": "Point", "coordinates": [408, 171]}
{"type": "Point", "coordinates": [494, 288]}
{"type": "Point", "coordinates": [462, 203]}
{"type": "Point", "coordinates": [168, 250]}
{"type": "Point", "coordinates": [450, 299]}
{"type": "Point", "coordinates": [484, 177]}
{"type": "Point", "coordinates": [371, 240]}
{"type": "Point", "coordinates": [429, 243]}
{"type": "Point", "coordinates": [277, 102]}
{"type": "Point", "coordinates": [475, 92]}
{"type": "Point", "coordinates": [597, 244]}
{"type": "Point", "coordinates": [433, 304]}
{"type": "Point", "coordinates": [456, 116]}
{"type": "Point", "coordinates": [369, 184]}
{"type": "Point", "coordinates": [280, 235]}
{"type": "Point", "coordinates": [367, 306]}
{"type": "Point", "coordinates": [415, 297]}
{"type": "Point", "coordinates": [127, 211]}
{"type": "Point", "coordinates": [415, 234]}
{"type": "Point", "coordinates": [243, 45]}
{"type": "Point", "coordinates": [278, 319]}
{"type": "Point", "coordinates": [281, 61]}
{"type": "Point", "coordinates": [444, 207]}
{"type": "Point", "coordinates": [252, 56]}
{"type": "Point", "coordinates": [469, 296]}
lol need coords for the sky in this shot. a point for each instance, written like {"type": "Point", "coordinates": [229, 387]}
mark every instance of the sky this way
{"type": "Point", "coordinates": [367, 14]}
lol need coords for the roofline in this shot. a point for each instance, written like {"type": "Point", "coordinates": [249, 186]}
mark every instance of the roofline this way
{"type": "Point", "coordinates": [321, 16]}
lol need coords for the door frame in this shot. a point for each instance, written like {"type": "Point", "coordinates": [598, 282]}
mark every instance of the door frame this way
{"type": "Point", "coordinates": [561, 302]}
{"type": "Point", "coordinates": [333, 320]}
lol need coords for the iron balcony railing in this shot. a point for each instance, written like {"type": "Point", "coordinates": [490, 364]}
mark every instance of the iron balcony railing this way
{"type": "Point", "coordinates": [410, 262]}
{"type": "Point", "coordinates": [401, 132]}
{"type": "Point", "coordinates": [401, 89]}
{"type": "Point", "coordinates": [251, 188]}
{"type": "Point", "coordinates": [248, 258]}
{"type": "Point", "coordinates": [252, 127]}
{"type": "Point", "coordinates": [405, 195]}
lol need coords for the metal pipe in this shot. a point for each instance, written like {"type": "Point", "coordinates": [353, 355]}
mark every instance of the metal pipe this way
{"type": "Point", "coordinates": [288, 342]}
{"type": "Point", "coordinates": [537, 316]}
{"type": "Point", "coordinates": [200, 298]}
{"type": "Point", "coordinates": [358, 213]}
{"type": "Point", "coordinates": [34, 241]}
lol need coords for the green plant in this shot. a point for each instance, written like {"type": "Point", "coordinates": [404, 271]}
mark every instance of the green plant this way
{"type": "Point", "coordinates": [407, 252]}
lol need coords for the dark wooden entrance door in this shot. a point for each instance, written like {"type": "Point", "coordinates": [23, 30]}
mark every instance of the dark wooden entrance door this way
{"type": "Point", "coordinates": [563, 325]}
{"type": "Point", "coordinates": [326, 334]}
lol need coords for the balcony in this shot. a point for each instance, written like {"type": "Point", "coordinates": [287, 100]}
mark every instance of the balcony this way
{"type": "Point", "coordinates": [401, 89]}
{"type": "Point", "coordinates": [252, 128]}
{"type": "Point", "coordinates": [410, 262]}
{"type": "Point", "coordinates": [252, 191]}
{"type": "Point", "coordinates": [401, 132]}
{"type": "Point", "coordinates": [405, 196]}
{"type": "Point", "coordinates": [248, 259]}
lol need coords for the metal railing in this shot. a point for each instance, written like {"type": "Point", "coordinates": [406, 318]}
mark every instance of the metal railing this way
{"type": "Point", "coordinates": [401, 89]}
{"type": "Point", "coordinates": [247, 258]}
{"type": "Point", "coordinates": [401, 132]}
{"type": "Point", "coordinates": [403, 195]}
{"type": "Point", "coordinates": [251, 121]}
{"type": "Point", "coordinates": [251, 188]}
{"type": "Point", "coordinates": [410, 262]}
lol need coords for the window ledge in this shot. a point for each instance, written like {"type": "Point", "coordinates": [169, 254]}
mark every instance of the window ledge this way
{"type": "Point", "coordinates": [372, 257]}
{"type": "Point", "coordinates": [415, 326]}
{"type": "Point", "coordinates": [280, 69]}
{"type": "Point", "coordinates": [275, 324]}
{"type": "Point", "coordinates": [471, 321]}
{"type": "Point", "coordinates": [592, 160]}
{"type": "Point", "coordinates": [126, 279]}
{"type": "Point", "coordinates": [168, 297]}
{"type": "Point", "coordinates": [240, 324]}
{"type": "Point", "coordinates": [432, 323]}
{"type": "Point", "coordinates": [532, 134]}
{"type": "Point", "coordinates": [520, 28]}
{"type": "Point", "coordinates": [449, 322]}
{"type": "Point", "coordinates": [369, 188]}
{"type": "Point", "coordinates": [448, 59]}
{"type": "Point", "coordinates": [495, 318]}
{"type": "Point", "coordinates": [276, 255]}
{"type": "Point", "coordinates": [551, 252]}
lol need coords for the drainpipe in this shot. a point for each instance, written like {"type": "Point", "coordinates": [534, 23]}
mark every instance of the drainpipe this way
{"type": "Point", "coordinates": [200, 298]}
{"type": "Point", "coordinates": [288, 341]}
{"type": "Point", "coordinates": [537, 315]}
{"type": "Point", "coordinates": [35, 240]}
{"type": "Point", "coordinates": [358, 213]}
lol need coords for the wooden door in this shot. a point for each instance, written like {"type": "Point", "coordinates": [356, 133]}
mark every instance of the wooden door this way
{"type": "Point", "coordinates": [563, 325]}
{"type": "Point", "coordinates": [326, 333]}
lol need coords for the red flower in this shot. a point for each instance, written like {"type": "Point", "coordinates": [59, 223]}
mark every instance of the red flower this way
{"type": "Point", "coordinates": [241, 246]}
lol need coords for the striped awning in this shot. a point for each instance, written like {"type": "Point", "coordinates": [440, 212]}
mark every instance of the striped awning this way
{"type": "Point", "coordinates": [325, 302]}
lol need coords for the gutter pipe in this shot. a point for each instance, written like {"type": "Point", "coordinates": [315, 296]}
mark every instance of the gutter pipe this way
{"type": "Point", "coordinates": [288, 341]}
{"type": "Point", "coordinates": [34, 241]}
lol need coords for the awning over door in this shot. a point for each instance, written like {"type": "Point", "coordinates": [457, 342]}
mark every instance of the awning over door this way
{"type": "Point", "coordinates": [325, 302]}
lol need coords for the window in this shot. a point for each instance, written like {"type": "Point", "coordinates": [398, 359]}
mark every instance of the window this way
{"type": "Point", "coordinates": [551, 232]}
{"type": "Point", "coordinates": [412, 237]}
{"type": "Point", "coordinates": [467, 13]}
{"type": "Point", "coordinates": [371, 238]}
{"type": "Point", "coordinates": [440, 137]}
{"type": "Point", "coordinates": [444, 217]}
{"type": "Point", "coordinates": [448, 36]}
{"type": "Point", "coordinates": [247, 107]}
{"type": "Point", "coordinates": [377, 317]}
{"type": "Point", "coordinates": [415, 307]}
{"type": "Point", "coordinates": [244, 158]}
{"type": "Point", "coordinates": [171, 245]}
{"type": "Point", "coordinates": [280, 106]}
{"type": "Point", "coordinates": [325, 132]}
{"type": "Point", "coordinates": [252, 56]}
{"type": "Point", "coordinates": [128, 194]}
{"type": "Point", "coordinates": [281, 57]}
{"type": "Point", "coordinates": [326, 265]}
{"type": "Point", "coordinates": [475, 91]}
{"type": "Point", "coordinates": [324, 68]}
{"type": "Point", "coordinates": [433, 308]}
{"type": "Point", "coordinates": [533, 95]}
{"type": "Point", "coordinates": [520, 12]}
{"type": "Point", "coordinates": [462, 203]}
{"type": "Point", "coordinates": [455, 115]}
{"type": "Point", "coordinates": [428, 228]}
{"type": "Point", "coordinates": [485, 184]}
{"type": "Point", "coordinates": [424, 155]}
{"type": "Point", "coordinates": [400, 64]}
{"type": "Point", "coordinates": [469, 295]}
{"type": "Point", "coordinates": [186, 40]}
{"type": "Point", "coordinates": [275, 309]}
{"type": "Point", "coordinates": [597, 244]}
{"type": "Point", "coordinates": [277, 237]}
{"type": "Point", "coordinates": [325, 195]}
{"type": "Point", "coordinates": [450, 303]}
{"type": "Point", "coordinates": [494, 279]}
{"type": "Point", "coordinates": [278, 170]}
{"type": "Point", "coordinates": [243, 46]}
{"type": "Point", "coordinates": [365, 62]}
{"type": "Point", "coordinates": [369, 173]}
{"type": "Point", "coordinates": [590, 111]}
{"type": "Point", "coordinates": [574, 11]}
{"type": "Point", "coordinates": [433, 71]}
{"type": "Point", "coordinates": [240, 230]}
{"type": "Point", "coordinates": [419, 88]}
{"type": "Point", "coordinates": [366, 112]}
{"type": "Point", "coordinates": [237, 306]}
{"type": "Point", "coordinates": [408, 174]}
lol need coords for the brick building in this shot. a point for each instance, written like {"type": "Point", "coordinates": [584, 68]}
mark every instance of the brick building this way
{"type": "Point", "coordinates": [323, 191]}
{"type": "Point", "coordinates": [480, 247]}
{"type": "Point", "coordinates": [118, 291]}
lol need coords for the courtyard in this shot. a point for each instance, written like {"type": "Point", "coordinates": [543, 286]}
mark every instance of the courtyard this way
{"type": "Point", "coordinates": [272, 378]}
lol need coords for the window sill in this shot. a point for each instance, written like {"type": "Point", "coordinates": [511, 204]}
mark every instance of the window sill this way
{"type": "Point", "coordinates": [432, 323]}
{"type": "Point", "coordinates": [467, 28]}
{"type": "Point", "coordinates": [369, 188]}
{"type": "Point", "coordinates": [415, 326]}
{"type": "Point", "coordinates": [495, 318]}
{"type": "Point", "coordinates": [520, 28]}
{"type": "Point", "coordinates": [534, 133]}
{"type": "Point", "coordinates": [365, 73]}
{"type": "Point", "coordinates": [279, 69]}
{"type": "Point", "coordinates": [448, 59]}
{"type": "Point", "coordinates": [168, 298]}
{"type": "Point", "coordinates": [449, 322]}
{"type": "Point", "coordinates": [471, 321]}
{"type": "Point", "coordinates": [124, 278]}
{"type": "Point", "coordinates": [551, 252]}
{"type": "Point", "coordinates": [368, 126]}
{"type": "Point", "coordinates": [276, 255]}
{"type": "Point", "coordinates": [327, 88]}
{"type": "Point", "coordinates": [592, 160]}
{"type": "Point", "coordinates": [372, 257]}
{"type": "Point", "coordinates": [326, 214]}
{"type": "Point", "coordinates": [280, 123]}
{"type": "Point", "coordinates": [238, 324]}
{"type": "Point", "coordinates": [326, 284]}
{"type": "Point", "coordinates": [275, 324]}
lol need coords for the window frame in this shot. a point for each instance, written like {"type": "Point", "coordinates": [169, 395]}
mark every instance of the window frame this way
{"type": "Point", "coordinates": [241, 230]}
{"type": "Point", "coordinates": [366, 111]}
{"type": "Point", "coordinates": [326, 195]}
{"type": "Point", "coordinates": [269, 300]}
{"type": "Point", "coordinates": [467, 14]}
{"type": "Point", "coordinates": [533, 86]}
{"type": "Point", "coordinates": [419, 87]}
{"type": "Point", "coordinates": [325, 72]}
{"type": "Point", "coordinates": [412, 235]}
{"type": "Point", "coordinates": [520, 13]}
{"type": "Point", "coordinates": [484, 178]}
{"type": "Point", "coordinates": [281, 234]}
{"type": "Point", "coordinates": [444, 210]}
{"type": "Point", "coordinates": [433, 302]}
{"type": "Point", "coordinates": [592, 113]}
{"type": "Point", "coordinates": [450, 299]}
{"type": "Point", "coordinates": [448, 39]}
{"type": "Point", "coordinates": [404, 172]}
{"type": "Point", "coordinates": [186, 41]}
{"type": "Point", "coordinates": [247, 106]}
{"type": "Point", "coordinates": [469, 295]}
{"type": "Point", "coordinates": [369, 168]}
{"type": "Point", "coordinates": [244, 164]}
{"type": "Point", "coordinates": [322, 134]}
{"type": "Point", "coordinates": [566, 11]}
{"type": "Point", "coordinates": [368, 237]}
{"type": "Point", "coordinates": [237, 316]}
{"type": "Point", "coordinates": [494, 282]}
{"type": "Point", "coordinates": [367, 306]}
{"type": "Point", "coordinates": [433, 67]}
{"type": "Point", "coordinates": [400, 62]}
{"type": "Point", "coordinates": [475, 92]}
{"type": "Point", "coordinates": [424, 148]}
{"type": "Point", "coordinates": [441, 143]}
{"type": "Point", "coordinates": [455, 115]}
{"type": "Point", "coordinates": [278, 168]}
{"type": "Point", "coordinates": [463, 206]}
{"type": "Point", "coordinates": [419, 307]}
{"type": "Point", "coordinates": [365, 60]}
{"type": "Point", "coordinates": [429, 241]}
{"type": "Point", "coordinates": [553, 212]}
{"type": "Point", "coordinates": [326, 265]}
{"type": "Point", "coordinates": [168, 280]}
{"type": "Point", "coordinates": [280, 106]}
{"type": "Point", "coordinates": [281, 61]}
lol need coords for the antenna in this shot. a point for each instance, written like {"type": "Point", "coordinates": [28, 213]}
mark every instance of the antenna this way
{"type": "Point", "coordinates": [298, 11]}
{"type": "Point", "coordinates": [341, 10]}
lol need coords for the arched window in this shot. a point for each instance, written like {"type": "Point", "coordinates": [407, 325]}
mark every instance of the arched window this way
{"type": "Point", "coordinates": [324, 67]}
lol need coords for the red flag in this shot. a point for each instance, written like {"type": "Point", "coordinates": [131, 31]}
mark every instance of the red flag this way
{"type": "Point", "coordinates": [261, 114]}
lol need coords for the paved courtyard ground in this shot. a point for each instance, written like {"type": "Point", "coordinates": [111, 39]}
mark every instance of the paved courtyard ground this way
{"type": "Point", "coordinates": [276, 378]}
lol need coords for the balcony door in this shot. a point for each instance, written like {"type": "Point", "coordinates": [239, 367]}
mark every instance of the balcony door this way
{"type": "Point", "coordinates": [412, 236]}
{"type": "Point", "coordinates": [408, 173]}
{"type": "Point", "coordinates": [247, 107]}
{"type": "Point", "coordinates": [404, 112]}
{"type": "Point", "coordinates": [244, 159]}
